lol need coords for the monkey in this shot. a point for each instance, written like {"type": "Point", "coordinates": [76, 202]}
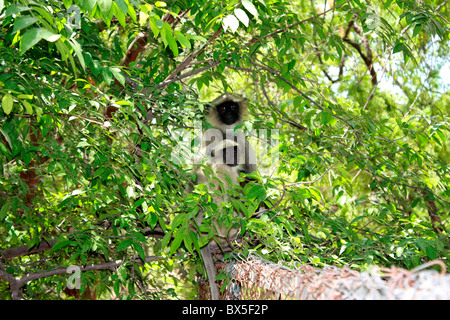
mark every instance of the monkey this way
{"type": "Point", "coordinates": [226, 113]}
{"type": "Point", "coordinates": [230, 154]}
{"type": "Point", "coordinates": [227, 162]}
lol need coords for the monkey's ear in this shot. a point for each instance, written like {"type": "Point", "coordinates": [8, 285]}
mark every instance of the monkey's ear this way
{"type": "Point", "coordinates": [209, 107]}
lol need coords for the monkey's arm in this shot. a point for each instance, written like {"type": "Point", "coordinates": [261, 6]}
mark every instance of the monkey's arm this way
{"type": "Point", "coordinates": [210, 271]}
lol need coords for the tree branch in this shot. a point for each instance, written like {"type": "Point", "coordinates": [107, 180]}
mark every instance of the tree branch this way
{"type": "Point", "coordinates": [17, 283]}
{"type": "Point", "coordinates": [188, 60]}
{"type": "Point", "coordinates": [289, 120]}
{"type": "Point", "coordinates": [368, 60]}
{"type": "Point", "coordinates": [24, 251]}
{"type": "Point", "coordinates": [139, 43]}
{"type": "Point", "coordinates": [186, 75]}
{"type": "Point", "coordinates": [45, 245]}
{"type": "Point", "coordinates": [135, 48]}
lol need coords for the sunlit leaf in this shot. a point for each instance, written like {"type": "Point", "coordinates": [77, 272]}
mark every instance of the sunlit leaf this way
{"type": "Point", "coordinates": [231, 22]}
{"type": "Point", "coordinates": [242, 16]}
{"type": "Point", "coordinates": [7, 103]}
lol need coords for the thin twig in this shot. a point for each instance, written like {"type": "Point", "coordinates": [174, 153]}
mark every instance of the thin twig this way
{"type": "Point", "coordinates": [188, 60]}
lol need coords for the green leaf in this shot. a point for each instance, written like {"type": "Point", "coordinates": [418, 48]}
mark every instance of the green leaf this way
{"type": "Point", "coordinates": [119, 14]}
{"type": "Point", "coordinates": [178, 219]}
{"type": "Point", "coordinates": [67, 3]}
{"type": "Point", "coordinates": [77, 48]}
{"type": "Point", "coordinates": [159, 23]}
{"type": "Point", "coordinates": [26, 157]}
{"type": "Point", "coordinates": [138, 202]}
{"type": "Point", "coordinates": [124, 244]}
{"type": "Point", "coordinates": [182, 40]}
{"type": "Point", "coordinates": [431, 252]}
{"type": "Point", "coordinates": [25, 96]}
{"type": "Point", "coordinates": [167, 237]}
{"type": "Point", "coordinates": [44, 14]}
{"type": "Point", "coordinates": [315, 193]}
{"type": "Point", "coordinates": [356, 219]}
{"type": "Point", "coordinates": [60, 244]}
{"type": "Point", "coordinates": [105, 7]}
{"type": "Point", "coordinates": [15, 9]}
{"type": "Point", "coordinates": [123, 103]}
{"type": "Point", "coordinates": [28, 107]}
{"type": "Point", "coordinates": [29, 39]}
{"type": "Point", "coordinates": [326, 117]}
{"type": "Point", "coordinates": [139, 250]}
{"type": "Point", "coordinates": [132, 13]}
{"type": "Point", "coordinates": [154, 27]}
{"type": "Point", "coordinates": [117, 287]}
{"type": "Point", "coordinates": [387, 3]}
{"type": "Point", "coordinates": [99, 172]}
{"type": "Point", "coordinates": [89, 5]}
{"type": "Point", "coordinates": [4, 210]}
{"type": "Point", "coordinates": [171, 40]}
{"type": "Point", "coordinates": [34, 35]}
{"type": "Point", "coordinates": [417, 29]}
{"type": "Point", "coordinates": [107, 75]}
{"type": "Point", "coordinates": [48, 35]}
{"type": "Point", "coordinates": [23, 22]}
{"type": "Point", "coordinates": [299, 103]}
{"type": "Point", "coordinates": [164, 37]}
{"type": "Point", "coordinates": [399, 251]}
{"type": "Point", "coordinates": [221, 276]}
{"type": "Point", "coordinates": [422, 138]}
{"type": "Point", "coordinates": [177, 240]}
{"type": "Point", "coordinates": [152, 219]}
{"type": "Point", "coordinates": [7, 103]}
{"type": "Point", "coordinates": [122, 5]}
{"type": "Point", "coordinates": [256, 192]}
{"type": "Point", "coordinates": [7, 138]}
{"type": "Point", "coordinates": [188, 244]}
{"type": "Point", "coordinates": [398, 47]}
{"type": "Point", "coordinates": [117, 73]}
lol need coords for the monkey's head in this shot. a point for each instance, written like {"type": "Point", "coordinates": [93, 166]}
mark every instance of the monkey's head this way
{"type": "Point", "coordinates": [228, 160]}
{"type": "Point", "coordinates": [227, 111]}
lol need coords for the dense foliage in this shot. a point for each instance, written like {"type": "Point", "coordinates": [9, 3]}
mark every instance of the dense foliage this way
{"type": "Point", "coordinates": [97, 94]}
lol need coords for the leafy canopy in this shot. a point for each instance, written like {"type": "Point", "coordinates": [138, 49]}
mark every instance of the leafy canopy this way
{"type": "Point", "coordinates": [96, 95]}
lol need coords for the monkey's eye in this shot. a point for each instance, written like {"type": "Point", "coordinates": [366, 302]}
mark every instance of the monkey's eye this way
{"type": "Point", "coordinates": [221, 109]}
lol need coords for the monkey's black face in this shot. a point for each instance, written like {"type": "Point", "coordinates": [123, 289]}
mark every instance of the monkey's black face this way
{"type": "Point", "coordinates": [228, 112]}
